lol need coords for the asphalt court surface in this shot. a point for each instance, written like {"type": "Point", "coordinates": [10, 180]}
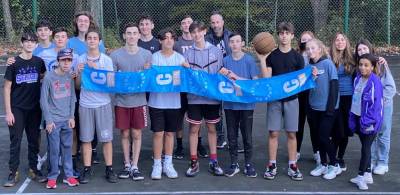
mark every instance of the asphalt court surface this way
{"type": "Point", "coordinates": [205, 183]}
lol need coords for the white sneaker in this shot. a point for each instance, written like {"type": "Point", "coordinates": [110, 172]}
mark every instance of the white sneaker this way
{"type": "Point", "coordinates": [338, 169]}
{"type": "Point", "coordinates": [317, 157]}
{"type": "Point", "coordinates": [360, 182]}
{"type": "Point", "coordinates": [170, 171]}
{"type": "Point", "coordinates": [319, 170]}
{"type": "Point", "coordinates": [331, 173]}
{"type": "Point", "coordinates": [381, 169]}
{"type": "Point", "coordinates": [368, 178]}
{"type": "Point", "coordinates": [298, 156]}
{"type": "Point", "coordinates": [156, 173]}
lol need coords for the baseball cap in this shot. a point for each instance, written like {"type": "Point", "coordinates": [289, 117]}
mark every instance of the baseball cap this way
{"type": "Point", "coordinates": [65, 53]}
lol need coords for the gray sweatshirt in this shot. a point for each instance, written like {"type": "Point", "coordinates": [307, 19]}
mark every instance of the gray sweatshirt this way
{"type": "Point", "coordinates": [208, 59]}
{"type": "Point", "coordinates": [389, 87]}
{"type": "Point", "coordinates": [57, 98]}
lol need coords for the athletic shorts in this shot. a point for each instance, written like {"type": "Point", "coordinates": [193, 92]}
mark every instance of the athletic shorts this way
{"type": "Point", "coordinates": [130, 118]}
{"type": "Point", "coordinates": [209, 112]}
{"type": "Point", "coordinates": [164, 119]}
{"type": "Point", "coordinates": [183, 110]}
{"type": "Point", "coordinates": [283, 115]}
{"type": "Point", "coordinates": [96, 119]}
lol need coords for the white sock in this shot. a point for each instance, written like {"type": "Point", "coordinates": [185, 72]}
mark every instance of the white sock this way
{"type": "Point", "coordinates": [157, 162]}
{"type": "Point", "coordinates": [167, 159]}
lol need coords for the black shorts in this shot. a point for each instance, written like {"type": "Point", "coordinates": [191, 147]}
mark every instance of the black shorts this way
{"type": "Point", "coordinates": [164, 119]}
{"type": "Point", "coordinates": [209, 112]}
{"type": "Point", "coordinates": [184, 105]}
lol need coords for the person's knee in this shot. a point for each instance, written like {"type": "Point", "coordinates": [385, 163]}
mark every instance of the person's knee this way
{"type": "Point", "coordinates": [273, 135]}
{"type": "Point", "coordinates": [170, 134]}
{"type": "Point", "coordinates": [291, 136]}
{"type": "Point", "coordinates": [136, 135]}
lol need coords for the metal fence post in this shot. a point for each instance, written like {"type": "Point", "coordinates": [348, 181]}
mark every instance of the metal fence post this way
{"type": "Point", "coordinates": [388, 22]}
{"type": "Point", "coordinates": [346, 16]}
{"type": "Point", "coordinates": [247, 22]}
{"type": "Point", "coordinates": [34, 12]}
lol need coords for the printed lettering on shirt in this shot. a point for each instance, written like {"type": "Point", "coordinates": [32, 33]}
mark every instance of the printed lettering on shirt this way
{"type": "Point", "coordinates": [28, 75]}
{"type": "Point", "coordinates": [61, 90]}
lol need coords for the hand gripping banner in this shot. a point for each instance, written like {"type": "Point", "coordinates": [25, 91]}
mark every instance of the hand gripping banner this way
{"type": "Point", "coordinates": [181, 79]}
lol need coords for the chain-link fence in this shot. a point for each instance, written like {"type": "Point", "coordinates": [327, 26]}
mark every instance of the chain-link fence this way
{"type": "Point", "coordinates": [376, 20]}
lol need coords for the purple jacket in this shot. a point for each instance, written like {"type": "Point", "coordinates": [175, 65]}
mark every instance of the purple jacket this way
{"type": "Point", "coordinates": [371, 106]}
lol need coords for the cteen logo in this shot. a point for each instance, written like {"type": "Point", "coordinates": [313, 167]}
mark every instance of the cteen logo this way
{"type": "Point", "coordinates": [290, 86]}
{"type": "Point", "coordinates": [98, 78]}
{"type": "Point", "coordinates": [225, 87]}
{"type": "Point", "coordinates": [164, 79]}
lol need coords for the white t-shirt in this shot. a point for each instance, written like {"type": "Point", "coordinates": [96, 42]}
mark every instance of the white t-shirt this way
{"type": "Point", "coordinates": [90, 99]}
{"type": "Point", "coordinates": [166, 100]}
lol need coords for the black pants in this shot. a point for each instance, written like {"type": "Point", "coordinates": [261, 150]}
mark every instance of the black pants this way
{"type": "Point", "coordinates": [28, 120]}
{"type": "Point", "coordinates": [342, 130]}
{"type": "Point", "coordinates": [242, 119]}
{"type": "Point", "coordinates": [303, 105]}
{"type": "Point", "coordinates": [321, 126]}
{"type": "Point", "coordinates": [366, 142]}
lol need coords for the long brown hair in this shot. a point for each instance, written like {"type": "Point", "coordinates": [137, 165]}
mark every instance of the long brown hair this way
{"type": "Point", "coordinates": [92, 24]}
{"type": "Point", "coordinates": [344, 57]}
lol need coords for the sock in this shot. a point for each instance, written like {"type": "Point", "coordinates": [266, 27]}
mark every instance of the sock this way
{"type": "Point", "coordinates": [157, 162]}
{"type": "Point", "coordinates": [291, 162]}
{"type": "Point", "coordinates": [134, 167]}
{"type": "Point", "coordinates": [179, 142]}
{"type": "Point", "coordinates": [213, 157]}
{"type": "Point", "coordinates": [193, 157]}
{"type": "Point", "coordinates": [167, 159]}
{"type": "Point", "coordinates": [272, 162]}
{"type": "Point", "coordinates": [127, 165]}
{"type": "Point", "coordinates": [87, 168]}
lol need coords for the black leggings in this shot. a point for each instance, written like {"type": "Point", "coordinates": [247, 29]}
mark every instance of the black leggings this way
{"type": "Point", "coordinates": [321, 126]}
{"type": "Point", "coordinates": [366, 143]}
{"type": "Point", "coordinates": [342, 130]}
{"type": "Point", "coordinates": [303, 105]}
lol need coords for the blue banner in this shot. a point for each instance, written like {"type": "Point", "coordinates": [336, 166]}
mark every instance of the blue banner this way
{"type": "Point", "coordinates": [215, 86]}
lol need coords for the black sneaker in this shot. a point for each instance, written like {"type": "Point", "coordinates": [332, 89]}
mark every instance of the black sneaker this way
{"type": "Point", "coordinates": [215, 169]}
{"type": "Point", "coordinates": [37, 175]}
{"type": "Point", "coordinates": [13, 178]}
{"type": "Point", "coordinates": [202, 152]}
{"type": "Point", "coordinates": [271, 172]}
{"type": "Point", "coordinates": [249, 170]}
{"type": "Point", "coordinates": [111, 176]}
{"type": "Point", "coordinates": [342, 164]}
{"type": "Point", "coordinates": [124, 174]}
{"type": "Point", "coordinates": [294, 173]}
{"type": "Point", "coordinates": [95, 158]}
{"type": "Point", "coordinates": [193, 168]}
{"type": "Point", "coordinates": [221, 143]}
{"type": "Point", "coordinates": [232, 170]}
{"type": "Point", "coordinates": [136, 175]}
{"type": "Point", "coordinates": [85, 175]}
{"type": "Point", "coordinates": [178, 153]}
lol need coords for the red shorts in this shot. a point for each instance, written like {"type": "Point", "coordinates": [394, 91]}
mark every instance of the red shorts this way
{"type": "Point", "coordinates": [130, 118]}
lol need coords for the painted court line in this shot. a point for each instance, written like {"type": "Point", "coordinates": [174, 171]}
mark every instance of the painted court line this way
{"type": "Point", "coordinates": [218, 192]}
{"type": "Point", "coordinates": [23, 186]}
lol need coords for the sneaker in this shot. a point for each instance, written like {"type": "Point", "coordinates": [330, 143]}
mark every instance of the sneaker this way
{"type": "Point", "coordinates": [215, 169]}
{"type": "Point", "coordinates": [271, 172]}
{"type": "Point", "coordinates": [156, 173]}
{"type": "Point", "coordinates": [317, 157]}
{"type": "Point", "coordinates": [71, 181]}
{"type": "Point", "coordinates": [193, 168]}
{"type": "Point", "coordinates": [381, 169]}
{"type": "Point", "coordinates": [111, 176]}
{"type": "Point", "coordinates": [51, 184]}
{"type": "Point", "coordinates": [136, 175]}
{"type": "Point", "coordinates": [178, 153]}
{"type": "Point", "coordinates": [221, 143]}
{"type": "Point", "coordinates": [298, 156]}
{"type": "Point", "coordinates": [249, 170]}
{"type": "Point", "coordinates": [342, 164]}
{"type": "Point", "coordinates": [85, 175]}
{"type": "Point", "coordinates": [37, 175]}
{"type": "Point", "coordinates": [169, 171]}
{"type": "Point", "coordinates": [125, 173]}
{"type": "Point", "coordinates": [232, 170]}
{"type": "Point", "coordinates": [332, 172]}
{"type": "Point", "coordinates": [360, 182]}
{"type": "Point", "coordinates": [202, 151]}
{"type": "Point", "coordinates": [13, 178]}
{"type": "Point", "coordinates": [368, 178]}
{"type": "Point", "coordinates": [319, 170]}
{"type": "Point", "coordinates": [95, 158]}
{"type": "Point", "coordinates": [294, 173]}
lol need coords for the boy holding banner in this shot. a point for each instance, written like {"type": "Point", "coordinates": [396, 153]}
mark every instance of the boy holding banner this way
{"type": "Point", "coordinates": [130, 109]}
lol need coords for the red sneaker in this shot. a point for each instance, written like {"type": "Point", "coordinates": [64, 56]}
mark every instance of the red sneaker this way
{"type": "Point", "coordinates": [71, 181]}
{"type": "Point", "coordinates": [51, 184]}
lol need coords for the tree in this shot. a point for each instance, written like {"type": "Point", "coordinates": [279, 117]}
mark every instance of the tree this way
{"type": "Point", "coordinates": [320, 10]}
{"type": "Point", "coordinates": [7, 20]}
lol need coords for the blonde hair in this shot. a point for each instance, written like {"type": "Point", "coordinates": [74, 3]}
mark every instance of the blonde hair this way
{"type": "Point", "coordinates": [321, 45]}
{"type": "Point", "coordinates": [344, 57]}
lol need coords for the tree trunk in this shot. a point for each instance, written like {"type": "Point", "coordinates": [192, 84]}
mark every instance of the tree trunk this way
{"type": "Point", "coordinates": [95, 10]}
{"type": "Point", "coordinates": [320, 11]}
{"type": "Point", "coordinates": [7, 20]}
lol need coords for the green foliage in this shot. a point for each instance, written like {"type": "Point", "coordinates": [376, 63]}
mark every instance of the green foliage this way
{"type": "Point", "coordinates": [111, 38]}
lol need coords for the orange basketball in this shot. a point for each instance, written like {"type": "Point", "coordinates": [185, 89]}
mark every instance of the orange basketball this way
{"type": "Point", "coordinates": [263, 43]}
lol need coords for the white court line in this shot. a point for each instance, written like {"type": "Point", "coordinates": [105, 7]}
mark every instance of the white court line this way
{"type": "Point", "coordinates": [217, 192]}
{"type": "Point", "coordinates": [23, 186]}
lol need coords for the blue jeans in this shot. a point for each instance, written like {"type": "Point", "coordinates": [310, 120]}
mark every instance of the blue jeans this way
{"type": "Point", "coordinates": [60, 139]}
{"type": "Point", "coordinates": [381, 145]}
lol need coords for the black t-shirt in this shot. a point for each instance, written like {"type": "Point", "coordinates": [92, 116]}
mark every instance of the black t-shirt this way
{"type": "Point", "coordinates": [25, 78]}
{"type": "Point", "coordinates": [153, 45]}
{"type": "Point", "coordinates": [282, 63]}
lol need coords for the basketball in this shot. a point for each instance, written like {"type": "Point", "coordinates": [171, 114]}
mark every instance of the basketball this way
{"type": "Point", "coordinates": [263, 43]}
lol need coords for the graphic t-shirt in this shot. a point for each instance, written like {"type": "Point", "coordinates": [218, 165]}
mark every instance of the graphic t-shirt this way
{"type": "Point", "coordinates": [153, 45]}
